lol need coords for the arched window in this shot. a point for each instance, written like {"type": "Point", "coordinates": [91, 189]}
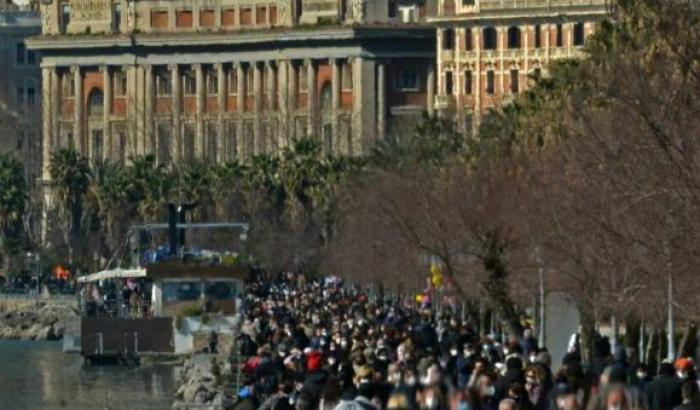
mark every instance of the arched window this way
{"type": "Point", "coordinates": [490, 38]}
{"type": "Point", "coordinates": [95, 103]}
{"type": "Point", "coordinates": [513, 37]}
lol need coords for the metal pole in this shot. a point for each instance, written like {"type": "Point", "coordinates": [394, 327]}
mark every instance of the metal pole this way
{"type": "Point", "coordinates": [671, 325]}
{"type": "Point", "coordinates": [641, 342]}
{"type": "Point", "coordinates": [540, 276]}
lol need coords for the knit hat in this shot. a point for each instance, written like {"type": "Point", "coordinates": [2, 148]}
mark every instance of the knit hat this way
{"type": "Point", "coordinates": [684, 363]}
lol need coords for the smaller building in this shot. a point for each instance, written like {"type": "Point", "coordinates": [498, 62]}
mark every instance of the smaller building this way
{"type": "Point", "coordinates": [20, 87]}
{"type": "Point", "coordinates": [488, 50]}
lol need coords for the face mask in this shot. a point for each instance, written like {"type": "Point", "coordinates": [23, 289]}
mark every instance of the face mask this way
{"type": "Point", "coordinates": [682, 375]}
{"type": "Point", "coordinates": [344, 344]}
{"type": "Point", "coordinates": [411, 381]}
{"type": "Point", "coordinates": [533, 359]}
{"type": "Point", "coordinates": [489, 391]}
{"type": "Point", "coordinates": [453, 352]}
{"type": "Point", "coordinates": [641, 375]}
{"type": "Point", "coordinates": [331, 361]}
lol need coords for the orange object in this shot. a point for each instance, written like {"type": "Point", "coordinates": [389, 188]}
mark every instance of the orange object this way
{"type": "Point", "coordinates": [684, 363]}
{"type": "Point", "coordinates": [61, 273]}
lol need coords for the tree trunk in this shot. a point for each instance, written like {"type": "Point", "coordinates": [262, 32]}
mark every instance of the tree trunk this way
{"type": "Point", "coordinates": [587, 336]}
{"type": "Point", "coordinates": [688, 343]}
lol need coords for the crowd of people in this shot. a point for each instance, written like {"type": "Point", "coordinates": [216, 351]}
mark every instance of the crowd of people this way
{"type": "Point", "coordinates": [315, 344]}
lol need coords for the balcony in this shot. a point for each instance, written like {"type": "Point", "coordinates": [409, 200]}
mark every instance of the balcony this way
{"type": "Point", "coordinates": [514, 4]}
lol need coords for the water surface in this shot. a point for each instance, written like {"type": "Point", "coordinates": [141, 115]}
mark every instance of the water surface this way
{"type": "Point", "coordinates": [38, 376]}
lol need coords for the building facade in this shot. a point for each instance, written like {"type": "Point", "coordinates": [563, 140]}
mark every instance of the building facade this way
{"type": "Point", "coordinates": [488, 50]}
{"type": "Point", "coordinates": [20, 87]}
{"type": "Point", "coordinates": [226, 79]}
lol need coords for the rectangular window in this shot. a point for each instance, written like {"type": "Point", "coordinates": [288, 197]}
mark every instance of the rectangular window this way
{"type": "Point", "coordinates": [228, 17]}
{"type": "Point", "coordinates": [117, 16]}
{"type": "Point", "coordinates": [163, 138]}
{"type": "Point", "coordinates": [212, 82]}
{"type": "Point", "coordinates": [273, 15]}
{"type": "Point", "coordinates": [20, 53]}
{"type": "Point", "coordinates": [490, 80]}
{"type": "Point", "coordinates": [261, 16]}
{"type": "Point", "coordinates": [514, 81]}
{"type": "Point", "coordinates": [30, 96]}
{"type": "Point", "coordinates": [538, 36]}
{"type": "Point", "coordinates": [183, 18]}
{"type": "Point", "coordinates": [448, 83]}
{"type": "Point", "coordinates": [407, 80]}
{"type": "Point", "coordinates": [560, 35]}
{"type": "Point", "coordinates": [97, 137]}
{"type": "Point", "coordinates": [31, 57]}
{"type": "Point", "coordinates": [163, 83]}
{"type": "Point", "coordinates": [579, 34]}
{"type": "Point", "coordinates": [468, 82]}
{"type": "Point", "coordinates": [188, 137]}
{"type": "Point", "coordinates": [346, 76]}
{"type": "Point", "coordinates": [207, 18]}
{"type": "Point", "coordinates": [20, 95]}
{"type": "Point", "coordinates": [65, 17]}
{"type": "Point", "coordinates": [448, 39]}
{"type": "Point", "coordinates": [246, 16]}
{"type": "Point", "coordinates": [233, 81]}
{"type": "Point", "coordinates": [159, 19]}
{"type": "Point", "coordinates": [119, 83]}
{"type": "Point", "coordinates": [393, 9]}
{"type": "Point", "coordinates": [190, 82]}
{"type": "Point", "coordinates": [468, 39]}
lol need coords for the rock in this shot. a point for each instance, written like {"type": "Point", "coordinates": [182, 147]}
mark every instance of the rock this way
{"type": "Point", "coordinates": [191, 391]}
{"type": "Point", "coordinates": [47, 333]}
{"type": "Point", "coordinates": [31, 332]}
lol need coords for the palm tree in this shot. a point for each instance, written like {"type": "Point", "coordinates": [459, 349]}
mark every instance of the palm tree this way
{"type": "Point", "coordinates": [70, 172]}
{"type": "Point", "coordinates": [13, 200]}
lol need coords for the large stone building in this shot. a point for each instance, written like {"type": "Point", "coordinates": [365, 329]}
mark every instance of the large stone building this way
{"type": "Point", "coordinates": [488, 49]}
{"type": "Point", "coordinates": [224, 79]}
{"type": "Point", "coordinates": [20, 87]}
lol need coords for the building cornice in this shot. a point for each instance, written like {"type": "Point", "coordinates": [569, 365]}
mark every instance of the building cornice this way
{"type": "Point", "coordinates": [508, 15]}
{"type": "Point", "coordinates": [330, 34]}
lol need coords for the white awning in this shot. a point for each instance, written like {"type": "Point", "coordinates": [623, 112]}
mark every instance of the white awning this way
{"type": "Point", "coordinates": [113, 274]}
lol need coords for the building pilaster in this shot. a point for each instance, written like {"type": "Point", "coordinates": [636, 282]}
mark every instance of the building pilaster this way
{"type": "Point", "coordinates": [283, 103]}
{"type": "Point", "coordinates": [150, 95]}
{"type": "Point", "coordinates": [47, 122]}
{"type": "Point", "coordinates": [78, 110]}
{"type": "Point", "coordinates": [199, 102]}
{"type": "Point", "coordinates": [220, 154]}
{"type": "Point", "coordinates": [176, 95]}
{"type": "Point", "coordinates": [312, 95]}
{"type": "Point", "coordinates": [335, 106]}
{"type": "Point", "coordinates": [271, 142]}
{"type": "Point", "coordinates": [381, 100]}
{"type": "Point", "coordinates": [430, 90]}
{"type": "Point", "coordinates": [258, 142]}
{"type": "Point", "coordinates": [240, 108]}
{"type": "Point", "coordinates": [293, 98]}
{"type": "Point", "coordinates": [106, 112]}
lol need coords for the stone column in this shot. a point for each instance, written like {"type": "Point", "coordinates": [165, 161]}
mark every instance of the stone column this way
{"type": "Point", "coordinates": [150, 136]}
{"type": "Point", "coordinates": [381, 101]}
{"type": "Point", "coordinates": [293, 96]}
{"type": "Point", "coordinates": [107, 112]}
{"type": "Point", "coordinates": [221, 103]}
{"type": "Point", "coordinates": [257, 108]}
{"type": "Point", "coordinates": [200, 103]}
{"type": "Point", "coordinates": [46, 110]}
{"type": "Point", "coordinates": [78, 110]}
{"type": "Point", "coordinates": [335, 106]}
{"type": "Point", "coordinates": [240, 108]}
{"type": "Point", "coordinates": [56, 112]}
{"type": "Point", "coordinates": [271, 142]}
{"type": "Point", "coordinates": [176, 94]}
{"type": "Point", "coordinates": [312, 95]}
{"type": "Point", "coordinates": [430, 90]}
{"type": "Point", "coordinates": [283, 102]}
{"type": "Point", "coordinates": [364, 107]}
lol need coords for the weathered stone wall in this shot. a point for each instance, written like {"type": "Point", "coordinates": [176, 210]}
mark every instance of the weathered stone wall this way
{"type": "Point", "coordinates": [34, 320]}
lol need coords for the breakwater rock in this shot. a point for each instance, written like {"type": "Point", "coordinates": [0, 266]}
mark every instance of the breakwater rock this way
{"type": "Point", "coordinates": [35, 320]}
